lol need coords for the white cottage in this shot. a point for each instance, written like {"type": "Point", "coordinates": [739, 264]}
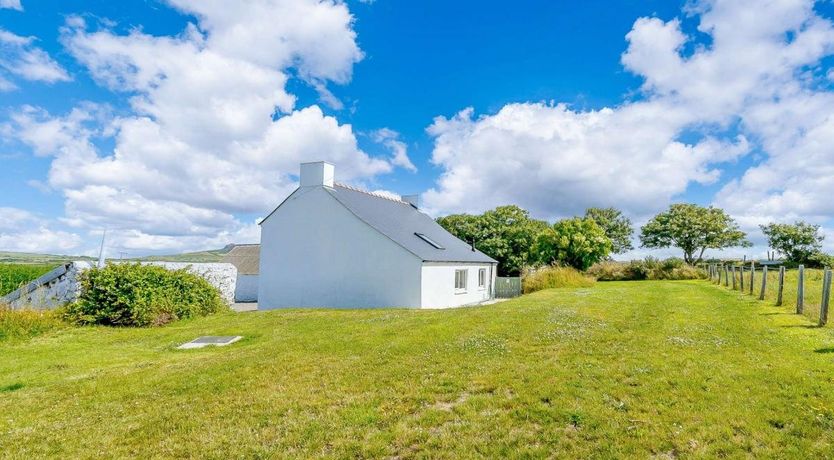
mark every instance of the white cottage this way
{"type": "Point", "coordinates": [329, 245]}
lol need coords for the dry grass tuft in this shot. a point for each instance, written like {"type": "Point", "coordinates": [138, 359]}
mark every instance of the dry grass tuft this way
{"type": "Point", "coordinates": [555, 277]}
{"type": "Point", "coordinates": [27, 323]}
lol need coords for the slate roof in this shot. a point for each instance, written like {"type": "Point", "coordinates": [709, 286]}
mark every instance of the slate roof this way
{"type": "Point", "coordinates": [400, 222]}
{"type": "Point", "coordinates": [245, 257]}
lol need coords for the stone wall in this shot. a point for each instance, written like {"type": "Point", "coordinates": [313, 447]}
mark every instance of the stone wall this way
{"type": "Point", "coordinates": [61, 286]}
{"type": "Point", "coordinates": [51, 290]}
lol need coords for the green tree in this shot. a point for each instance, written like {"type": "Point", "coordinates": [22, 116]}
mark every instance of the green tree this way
{"type": "Point", "coordinates": [798, 242]}
{"type": "Point", "coordinates": [615, 225]}
{"type": "Point", "coordinates": [577, 242]}
{"type": "Point", "coordinates": [506, 233]}
{"type": "Point", "coordinates": [694, 229]}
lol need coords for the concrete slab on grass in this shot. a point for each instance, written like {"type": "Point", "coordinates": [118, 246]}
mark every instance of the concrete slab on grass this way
{"type": "Point", "coordinates": [211, 340]}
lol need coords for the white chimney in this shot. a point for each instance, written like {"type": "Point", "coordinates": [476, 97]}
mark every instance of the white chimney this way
{"type": "Point", "coordinates": [413, 200]}
{"type": "Point", "coordinates": [317, 174]}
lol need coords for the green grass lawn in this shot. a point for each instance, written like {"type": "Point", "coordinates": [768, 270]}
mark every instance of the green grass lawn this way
{"type": "Point", "coordinates": [624, 369]}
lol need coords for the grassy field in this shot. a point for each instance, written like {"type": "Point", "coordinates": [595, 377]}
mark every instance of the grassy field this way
{"type": "Point", "coordinates": [652, 369]}
{"type": "Point", "coordinates": [13, 275]}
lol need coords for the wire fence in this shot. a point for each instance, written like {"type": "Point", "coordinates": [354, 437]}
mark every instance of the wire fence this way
{"type": "Point", "coordinates": [807, 290]}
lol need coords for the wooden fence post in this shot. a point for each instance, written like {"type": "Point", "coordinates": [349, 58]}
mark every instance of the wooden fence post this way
{"type": "Point", "coordinates": [734, 278]}
{"type": "Point", "coordinates": [752, 276]}
{"type": "Point", "coordinates": [764, 282]}
{"type": "Point", "coordinates": [800, 292]}
{"type": "Point", "coordinates": [781, 285]}
{"type": "Point", "coordinates": [726, 276]}
{"type": "Point", "coordinates": [826, 292]}
{"type": "Point", "coordinates": [741, 279]}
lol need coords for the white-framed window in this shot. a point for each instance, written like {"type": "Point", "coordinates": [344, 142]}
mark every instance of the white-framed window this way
{"type": "Point", "coordinates": [460, 280]}
{"type": "Point", "coordinates": [482, 278]}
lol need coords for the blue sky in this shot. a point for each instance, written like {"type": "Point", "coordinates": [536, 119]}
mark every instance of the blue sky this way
{"type": "Point", "coordinates": [555, 106]}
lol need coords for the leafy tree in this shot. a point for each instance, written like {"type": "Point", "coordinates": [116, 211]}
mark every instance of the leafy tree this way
{"type": "Point", "coordinates": [798, 242]}
{"type": "Point", "coordinates": [506, 234]}
{"type": "Point", "coordinates": [577, 242]}
{"type": "Point", "coordinates": [692, 228]}
{"type": "Point", "coordinates": [615, 225]}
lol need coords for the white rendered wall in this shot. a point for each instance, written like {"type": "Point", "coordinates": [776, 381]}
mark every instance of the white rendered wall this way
{"type": "Point", "coordinates": [246, 289]}
{"type": "Point", "coordinates": [316, 253]}
{"type": "Point", "coordinates": [438, 284]}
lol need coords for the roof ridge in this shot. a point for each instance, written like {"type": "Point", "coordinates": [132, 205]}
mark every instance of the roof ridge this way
{"type": "Point", "coordinates": [377, 195]}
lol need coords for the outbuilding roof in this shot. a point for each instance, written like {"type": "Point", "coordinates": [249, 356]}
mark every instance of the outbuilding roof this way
{"type": "Point", "coordinates": [407, 226]}
{"type": "Point", "coordinates": [245, 257]}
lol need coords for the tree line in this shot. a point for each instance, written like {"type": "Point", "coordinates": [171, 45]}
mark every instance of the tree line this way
{"type": "Point", "coordinates": [509, 235]}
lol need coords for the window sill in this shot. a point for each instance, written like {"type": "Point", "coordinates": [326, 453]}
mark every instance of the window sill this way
{"type": "Point", "coordinates": [460, 291]}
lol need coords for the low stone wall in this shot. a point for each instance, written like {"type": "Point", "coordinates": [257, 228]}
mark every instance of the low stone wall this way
{"type": "Point", "coordinates": [50, 290]}
{"type": "Point", "coordinates": [61, 286]}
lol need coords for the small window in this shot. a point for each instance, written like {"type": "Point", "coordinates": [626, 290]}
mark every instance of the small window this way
{"type": "Point", "coordinates": [429, 240]}
{"type": "Point", "coordinates": [460, 280]}
{"type": "Point", "coordinates": [482, 278]}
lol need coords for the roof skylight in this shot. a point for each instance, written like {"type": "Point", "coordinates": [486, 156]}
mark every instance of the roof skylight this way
{"type": "Point", "coordinates": [429, 240]}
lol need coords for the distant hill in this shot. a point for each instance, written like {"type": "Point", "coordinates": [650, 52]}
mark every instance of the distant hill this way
{"type": "Point", "coordinates": [40, 259]}
{"type": "Point", "coordinates": [213, 255]}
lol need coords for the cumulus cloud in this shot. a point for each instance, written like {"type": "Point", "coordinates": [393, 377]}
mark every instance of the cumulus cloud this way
{"type": "Point", "coordinates": [212, 132]}
{"type": "Point", "coordinates": [20, 57]}
{"type": "Point", "coordinates": [399, 151]}
{"type": "Point", "coordinates": [11, 4]}
{"type": "Point", "coordinates": [755, 86]}
{"type": "Point", "coordinates": [21, 230]}
{"type": "Point", "coordinates": [556, 161]}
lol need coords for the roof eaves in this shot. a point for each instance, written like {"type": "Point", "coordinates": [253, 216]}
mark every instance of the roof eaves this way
{"type": "Point", "coordinates": [279, 205]}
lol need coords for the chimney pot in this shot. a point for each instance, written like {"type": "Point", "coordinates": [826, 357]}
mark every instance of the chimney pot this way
{"type": "Point", "coordinates": [317, 174]}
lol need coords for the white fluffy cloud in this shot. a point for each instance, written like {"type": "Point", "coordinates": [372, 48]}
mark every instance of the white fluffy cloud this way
{"type": "Point", "coordinates": [556, 161]}
{"type": "Point", "coordinates": [399, 151]}
{"type": "Point", "coordinates": [756, 87]}
{"type": "Point", "coordinates": [11, 4]}
{"type": "Point", "coordinates": [21, 58]}
{"type": "Point", "coordinates": [212, 131]}
{"type": "Point", "coordinates": [20, 230]}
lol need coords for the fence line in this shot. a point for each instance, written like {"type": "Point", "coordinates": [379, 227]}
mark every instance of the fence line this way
{"type": "Point", "coordinates": [814, 303]}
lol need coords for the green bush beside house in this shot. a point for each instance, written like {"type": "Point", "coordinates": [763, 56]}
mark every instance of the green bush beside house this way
{"type": "Point", "coordinates": [141, 295]}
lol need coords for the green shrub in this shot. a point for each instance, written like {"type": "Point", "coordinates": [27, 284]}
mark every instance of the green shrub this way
{"type": "Point", "coordinates": [141, 295]}
{"type": "Point", "coordinates": [27, 323]}
{"type": "Point", "coordinates": [647, 269]}
{"type": "Point", "coordinates": [555, 277]}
